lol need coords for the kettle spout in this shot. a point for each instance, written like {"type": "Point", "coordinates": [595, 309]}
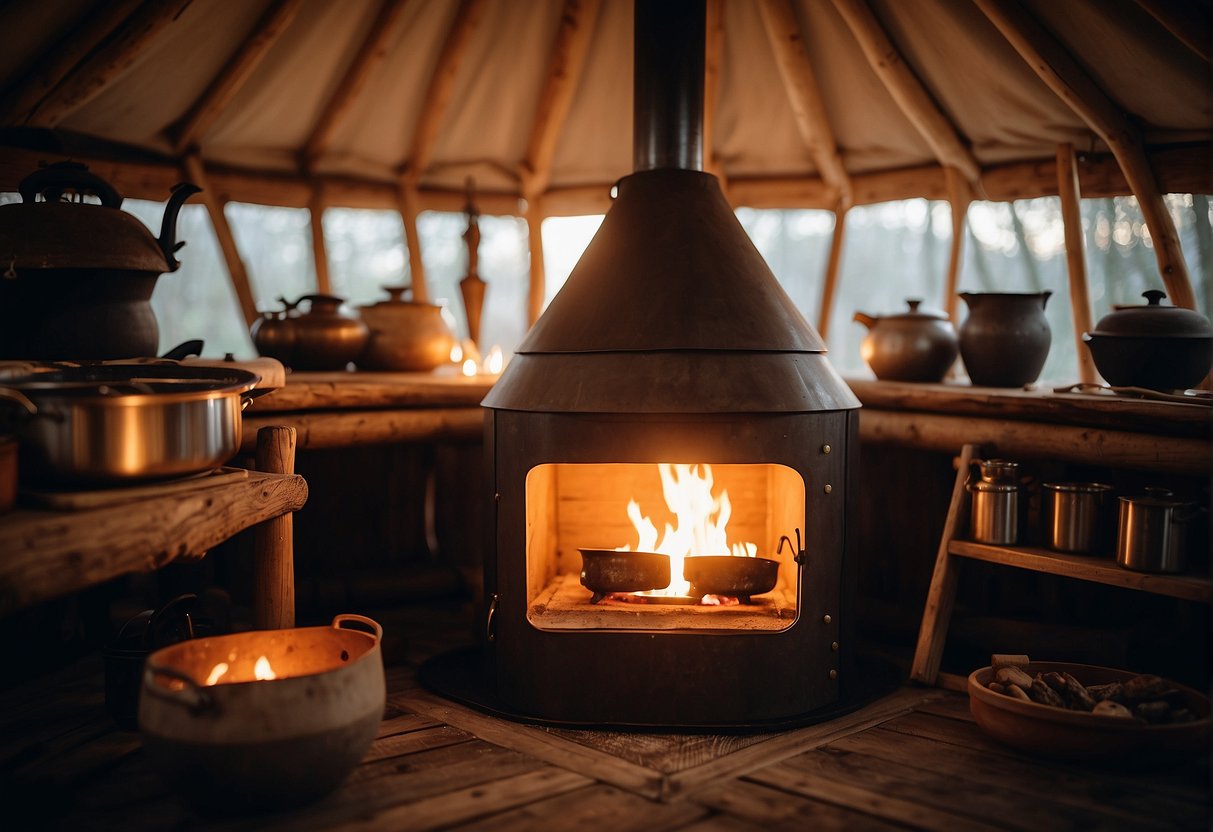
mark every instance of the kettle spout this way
{"type": "Point", "coordinates": [168, 226]}
{"type": "Point", "coordinates": [864, 318]}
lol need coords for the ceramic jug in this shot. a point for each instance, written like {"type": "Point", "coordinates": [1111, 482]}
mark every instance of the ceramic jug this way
{"type": "Point", "coordinates": [1005, 340]}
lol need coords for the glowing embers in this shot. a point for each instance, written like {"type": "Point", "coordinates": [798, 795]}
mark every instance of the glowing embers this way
{"type": "Point", "coordinates": [691, 536]}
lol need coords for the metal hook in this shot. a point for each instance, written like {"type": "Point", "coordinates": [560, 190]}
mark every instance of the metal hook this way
{"type": "Point", "coordinates": [798, 552]}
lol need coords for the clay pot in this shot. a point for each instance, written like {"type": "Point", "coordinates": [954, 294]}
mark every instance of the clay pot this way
{"type": "Point", "coordinates": [1154, 346]}
{"type": "Point", "coordinates": [405, 335]}
{"type": "Point", "coordinates": [918, 345]}
{"type": "Point", "coordinates": [1005, 340]}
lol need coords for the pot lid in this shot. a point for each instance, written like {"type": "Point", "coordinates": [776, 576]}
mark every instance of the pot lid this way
{"type": "Point", "coordinates": [916, 313]}
{"type": "Point", "coordinates": [1154, 320]}
{"type": "Point", "coordinates": [110, 381]}
{"type": "Point", "coordinates": [59, 234]}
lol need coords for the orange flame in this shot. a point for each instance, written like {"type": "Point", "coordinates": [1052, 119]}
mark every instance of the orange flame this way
{"type": "Point", "coordinates": [702, 521]}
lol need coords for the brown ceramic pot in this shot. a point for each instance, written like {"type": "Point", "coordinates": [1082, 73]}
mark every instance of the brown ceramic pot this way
{"type": "Point", "coordinates": [1005, 340]}
{"type": "Point", "coordinates": [405, 335]}
{"type": "Point", "coordinates": [1154, 346]}
{"type": "Point", "coordinates": [918, 345]}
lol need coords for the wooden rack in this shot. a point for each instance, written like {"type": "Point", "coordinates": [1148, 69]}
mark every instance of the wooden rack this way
{"type": "Point", "coordinates": [46, 553]}
{"type": "Point", "coordinates": [941, 596]}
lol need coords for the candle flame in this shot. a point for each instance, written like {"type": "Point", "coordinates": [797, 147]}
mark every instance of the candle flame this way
{"type": "Point", "coordinates": [263, 671]}
{"type": "Point", "coordinates": [469, 367]}
{"type": "Point", "coordinates": [496, 360]}
{"type": "Point", "coordinates": [457, 354]}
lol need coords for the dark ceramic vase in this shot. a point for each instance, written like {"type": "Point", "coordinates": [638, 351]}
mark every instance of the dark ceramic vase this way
{"type": "Point", "coordinates": [1005, 340]}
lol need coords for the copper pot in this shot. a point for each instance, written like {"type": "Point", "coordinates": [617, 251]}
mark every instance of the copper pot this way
{"type": "Point", "coordinates": [229, 739]}
{"type": "Point", "coordinates": [327, 336]}
{"type": "Point", "coordinates": [81, 275]}
{"type": "Point", "coordinates": [405, 335]}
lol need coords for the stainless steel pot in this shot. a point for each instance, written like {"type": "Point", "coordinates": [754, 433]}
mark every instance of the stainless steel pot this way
{"type": "Point", "coordinates": [1153, 531]}
{"type": "Point", "coordinates": [120, 423]}
{"type": "Point", "coordinates": [1075, 516]}
{"type": "Point", "coordinates": [995, 512]}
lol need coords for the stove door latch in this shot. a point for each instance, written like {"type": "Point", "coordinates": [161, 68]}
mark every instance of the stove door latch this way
{"type": "Point", "coordinates": [490, 632]}
{"type": "Point", "coordinates": [800, 557]}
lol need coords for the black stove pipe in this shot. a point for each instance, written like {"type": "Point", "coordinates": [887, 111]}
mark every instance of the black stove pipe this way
{"type": "Point", "coordinates": [667, 85]}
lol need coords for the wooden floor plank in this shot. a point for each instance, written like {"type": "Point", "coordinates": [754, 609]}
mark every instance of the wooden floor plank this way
{"type": "Point", "coordinates": [541, 744]}
{"type": "Point", "coordinates": [463, 805]}
{"type": "Point", "coordinates": [1188, 781]}
{"type": "Point", "coordinates": [759, 805]}
{"type": "Point", "coordinates": [718, 823]}
{"type": "Point", "coordinates": [665, 753]}
{"type": "Point", "coordinates": [854, 782]}
{"type": "Point", "coordinates": [398, 745]}
{"type": "Point", "coordinates": [404, 723]}
{"type": "Point", "coordinates": [594, 807]}
{"type": "Point", "coordinates": [1036, 799]}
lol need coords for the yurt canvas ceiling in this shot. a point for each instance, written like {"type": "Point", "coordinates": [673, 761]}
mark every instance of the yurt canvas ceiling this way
{"type": "Point", "coordinates": [809, 101]}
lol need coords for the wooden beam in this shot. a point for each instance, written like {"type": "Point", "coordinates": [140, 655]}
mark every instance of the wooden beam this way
{"type": "Point", "coordinates": [713, 60]}
{"type": "Point", "coordinates": [406, 196]}
{"type": "Point", "coordinates": [369, 54]}
{"type": "Point", "coordinates": [1188, 21]}
{"type": "Point", "coordinates": [47, 69]}
{"type": "Point", "coordinates": [565, 67]}
{"type": "Point", "coordinates": [350, 428]}
{"type": "Point", "coordinates": [320, 254]}
{"type": "Point", "coordinates": [240, 67]}
{"type": "Point", "coordinates": [907, 90]}
{"type": "Point", "coordinates": [1071, 215]}
{"type": "Point", "coordinates": [196, 172]}
{"type": "Point", "coordinates": [833, 267]}
{"type": "Point", "coordinates": [274, 539]}
{"type": "Point", "coordinates": [112, 58]}
{"type": "Point", "coordinates": [1061, 72]}
{"type": "Point", "coordinates": [442, 84]}
{"type": "Point", "coordinates": [959, 196]}
{"type": "Point", "coordinates": [804, 94]}
{"type": "Point", "coordinates": [538, 285]}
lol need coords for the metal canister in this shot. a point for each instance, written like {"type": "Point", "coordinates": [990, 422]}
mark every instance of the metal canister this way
{"type": "Point", "coordinates": [1075, 518]}
{"type": "Point", "coordinates": [1153, 532]}
{"type": "Point", "coordinates": [1002, 471]}
{"type": "Point", "coordinates": [995, 513]}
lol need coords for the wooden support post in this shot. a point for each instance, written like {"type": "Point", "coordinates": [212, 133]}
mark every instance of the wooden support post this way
{"type": "Point", "coordinates": [196, 172]}
{"type": "Point", "coordinates": [319, 251]}
{"type": "Point", "coordinates": [1057, 67]}
{"type": "Point", "coordinates": [1186, 20]}
{"type": "Point", "coordinates": [1071, 215]}
{"type": "Point", "coordinates": [273, 540]}
{"type": "Point", "coordinates": [538, 286]}
{"type": "Point", "coordinates": [407, 200]}
{"type": "Point", "coordinates": [833, 266]}
{"type": "Point", "coordinates": [941, 596]}
{"type": "Point", "coordinates": [959, 197]}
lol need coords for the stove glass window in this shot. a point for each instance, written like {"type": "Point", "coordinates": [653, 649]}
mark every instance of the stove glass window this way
{"type": "Point", "coordinates": [666, 546]}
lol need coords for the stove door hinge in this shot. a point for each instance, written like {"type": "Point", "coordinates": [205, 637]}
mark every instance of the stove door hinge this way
{"type": "Point", "coordinates": [799, 553]}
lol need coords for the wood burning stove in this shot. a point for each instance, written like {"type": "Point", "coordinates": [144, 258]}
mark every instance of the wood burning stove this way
{"type": "Point", "coordinates": [671, 352]}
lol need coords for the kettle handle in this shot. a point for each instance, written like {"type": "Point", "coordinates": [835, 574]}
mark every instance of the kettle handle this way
{"type": "Point", "coordinates": [53, 180]}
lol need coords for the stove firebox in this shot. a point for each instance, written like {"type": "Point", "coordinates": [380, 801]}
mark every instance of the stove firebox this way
{"type": "Point", "coordinates": [670, 349]}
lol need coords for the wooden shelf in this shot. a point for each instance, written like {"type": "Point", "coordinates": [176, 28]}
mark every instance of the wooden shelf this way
{"type": "Point", "coordinates": [1086, 568]}
{"type": "Point", "coordinates": [48, 553]}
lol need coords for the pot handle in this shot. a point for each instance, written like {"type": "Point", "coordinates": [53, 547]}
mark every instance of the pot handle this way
{"type": "Point", "coordinates": [369, 623]}
{"type": "Point", "coordinates": [191, 695]}
{"type": "Point", "coordinates": [20, 398]}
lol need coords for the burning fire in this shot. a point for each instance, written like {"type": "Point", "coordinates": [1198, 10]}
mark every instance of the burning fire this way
{"type": "Point", "coordinates": [262, 671]}
{"type": "Point", "coordinates": [701, 518]}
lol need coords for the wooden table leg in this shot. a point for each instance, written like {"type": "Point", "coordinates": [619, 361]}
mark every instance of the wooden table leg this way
{"type": "Point", "coordinates": [273, 540]}
{"type": "Point", "coordinates": [942, 594]}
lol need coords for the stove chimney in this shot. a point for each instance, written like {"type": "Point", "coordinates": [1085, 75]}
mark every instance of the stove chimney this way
{"type": "Point", "coordinates": [667, 84]}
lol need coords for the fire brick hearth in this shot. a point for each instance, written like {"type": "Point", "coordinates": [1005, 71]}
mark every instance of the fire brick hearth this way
{"type": "Point", "coordinates": [670, 370]}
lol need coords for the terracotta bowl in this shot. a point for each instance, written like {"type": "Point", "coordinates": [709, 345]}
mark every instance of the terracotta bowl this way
{"type": "Point", "coordinates": [1076, 735]}
{"type": "Point", "coordinates": [240, 744]}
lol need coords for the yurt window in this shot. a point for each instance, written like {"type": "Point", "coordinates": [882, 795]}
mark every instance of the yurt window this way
{"type": "Point", "coordinates": [276, 246]}
{"type": "Point", "coordinates": [365, 252]}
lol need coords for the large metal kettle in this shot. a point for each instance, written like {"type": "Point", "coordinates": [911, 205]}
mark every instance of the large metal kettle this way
{"type": "Point", "coordinates": [77, 277]}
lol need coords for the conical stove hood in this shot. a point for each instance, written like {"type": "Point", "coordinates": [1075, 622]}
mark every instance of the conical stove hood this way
{"type": "Point", "coordinates": [671, 308]}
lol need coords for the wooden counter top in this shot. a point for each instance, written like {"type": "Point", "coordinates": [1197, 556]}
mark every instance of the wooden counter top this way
{"type": "Point", "coordinates": [345, 391]}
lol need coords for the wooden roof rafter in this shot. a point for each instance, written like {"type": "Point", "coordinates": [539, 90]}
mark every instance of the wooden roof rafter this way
{"type": "Point", "coordinates": [1062, 73]}
{"type": "Point", "coordinates": [569, 50]}
{"type": "Point", "coordinates": [804, 94]}
{"type": "Point", "coordinates": [1189, 22]}
{"type": "Point", "coordinates": [907, 90]}
{"type": "Point", "coordinates": [110, 59]}
{"type": "Point", "coordinates": [370, 53]}
{"type": "Point", "coordinates": [45, 72]}
{"type": "Point", "coordinates": [203, 113]}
